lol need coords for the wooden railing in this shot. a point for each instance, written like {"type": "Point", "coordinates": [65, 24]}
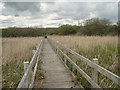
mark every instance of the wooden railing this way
{"type": "Point", "coordinates": [61, 50]}
{"type": "Point", "coordinates": [27, 81]}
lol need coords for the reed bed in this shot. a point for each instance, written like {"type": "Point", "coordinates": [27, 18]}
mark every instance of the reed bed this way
{"type": "Point", "coordinates": [18, 48]}
{"type": "Point", "coordinates": [105, 48]}
{"type": "Point", "coordinates": [14, 52]}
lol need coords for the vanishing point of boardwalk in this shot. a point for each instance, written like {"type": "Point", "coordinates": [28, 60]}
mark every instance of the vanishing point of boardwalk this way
{"type": "Point", "coordinates": [56, 74]}
{"type": "Point", "coordinates": [55, 69]}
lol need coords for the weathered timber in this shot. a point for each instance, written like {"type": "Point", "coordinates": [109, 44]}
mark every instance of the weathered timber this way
{"type": "Point", "coordinates": [56, 75]}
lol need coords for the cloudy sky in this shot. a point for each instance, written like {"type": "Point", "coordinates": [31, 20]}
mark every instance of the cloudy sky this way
{"type": "Point", "coordinates": [53, 14]}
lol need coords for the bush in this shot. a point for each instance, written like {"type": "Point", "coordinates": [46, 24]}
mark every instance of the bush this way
{"type": "Point", "coordinates": [27, 32]}
{"type": "Point", "coordinates": [94, 26]}
{"type": "Point", "coordinates": [66, 30]}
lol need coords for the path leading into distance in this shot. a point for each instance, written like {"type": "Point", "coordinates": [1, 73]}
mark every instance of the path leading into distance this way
{"type": "Point", "coordinates": [56, 74]}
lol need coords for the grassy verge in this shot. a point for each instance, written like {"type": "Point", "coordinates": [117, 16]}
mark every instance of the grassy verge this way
{"type": "Point", "coordinates": [15, 52]}
{"type": "Point", "coordinates": [12, 74]}
{"type": "Point", "coordinates": [108, 58]}
{"type": "Point", "coordinates": [104, 48]}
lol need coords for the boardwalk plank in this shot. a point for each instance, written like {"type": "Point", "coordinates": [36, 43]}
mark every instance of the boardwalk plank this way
{"type": "Point", "coordinates": [56, 75]}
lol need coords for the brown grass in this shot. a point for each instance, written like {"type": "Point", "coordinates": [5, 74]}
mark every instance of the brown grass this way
{"type": "Point", "coordinates": [18, 48]}
{"type": "Point", "coordinates": [15, 52]}
{"type": "Point", "coordinates": [86, 45]}
{"type": "Point", "coordinates": [87, 42]}
{"type": "Point", "coordinates": [105, 48]}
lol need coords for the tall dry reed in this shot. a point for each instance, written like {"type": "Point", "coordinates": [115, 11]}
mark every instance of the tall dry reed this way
{"type": "Point", "coordinates": [105, 48]}
{"type": "Point", "coordinates": [19, 48]}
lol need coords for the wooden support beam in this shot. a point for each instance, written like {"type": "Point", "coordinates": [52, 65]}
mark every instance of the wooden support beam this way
{"type": "Point", "coordinates": [26, 64]}
{"type": "Point", "coordinates": [94, 71]}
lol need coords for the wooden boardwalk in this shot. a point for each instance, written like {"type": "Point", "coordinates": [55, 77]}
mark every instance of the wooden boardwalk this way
{"type": "Point", "coordinates": [56, 74]}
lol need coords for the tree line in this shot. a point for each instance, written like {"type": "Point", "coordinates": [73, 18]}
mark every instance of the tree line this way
{"type": "Point", "coordinates": [94, 26]}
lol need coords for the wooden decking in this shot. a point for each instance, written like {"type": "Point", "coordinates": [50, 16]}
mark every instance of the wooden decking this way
{"type": "Point", "coordinates": [56, 75]}
{"type": "Point", "coordinates": [55, 70]}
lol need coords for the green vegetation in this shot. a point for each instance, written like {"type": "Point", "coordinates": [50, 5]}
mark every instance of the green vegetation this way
{"type": "Point", "coordinates": [26, 32]}
{"type": "Point", "coordinates": [12, 74]}
{"type": "Point", "coordinates": [88, 46]}
{"type": "Point", "coordinates": [13, 59]}
{"type": "Point", "coordinates": [67, 30]}
{"type": "Point", "coordinates": [98, 26]}
{"type": "Point", "coordinates": [107, 58]}
{"type": "Point", "coordinates": [94, 26]}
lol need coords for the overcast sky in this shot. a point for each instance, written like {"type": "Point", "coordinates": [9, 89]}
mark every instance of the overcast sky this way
{"type": "Point", "coordinates": [53, 14]}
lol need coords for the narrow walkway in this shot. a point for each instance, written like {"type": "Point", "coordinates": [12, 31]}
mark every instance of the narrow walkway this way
{"type": "Point", "coordinates": [56, 75]}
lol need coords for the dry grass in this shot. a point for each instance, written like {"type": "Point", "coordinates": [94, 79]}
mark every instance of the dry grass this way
{"type": "Point", "coordinates": [15, 52]}
{"type": "Point", "coordinates": [105, 48]}
{"type": "Point", "coordinates": [18, 48]}
{"type": "Point", "coordinates": [87, 42]}
{"type": "Point", "coordinates": [94, 46]}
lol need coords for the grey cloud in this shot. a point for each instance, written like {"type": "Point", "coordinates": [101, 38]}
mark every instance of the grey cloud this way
{"type": "Point", "coordinates": [82, 10]}
{"type": "Point", "coordinates": [106, 10]}
{"type": "Point", "coordinates": [58, 18]}
{"type": "Point", "coordinates": [63, 11]}
{"type": "Point", "coordinates": [6, 21]}
{"type": "Point", "coordinates": [52, 24]}
{"type": "Point", "coordinates": [16, 8]}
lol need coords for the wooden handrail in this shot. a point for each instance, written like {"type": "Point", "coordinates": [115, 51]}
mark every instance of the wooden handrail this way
{"type": "Point", "coordinates": [100, 69]}
{"type": "Point", "coordinates": [93, 83]}
{"type": "Point", "coordinates": [27, 72]}
{"type": "Point", "coordinates": [107, 73]}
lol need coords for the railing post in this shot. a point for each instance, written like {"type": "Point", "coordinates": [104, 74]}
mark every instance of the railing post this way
{"type": "Point", "coordinates": [65, 52]}
{"type": "Point", "coordinates": [60, 48]}
{"type": "Point", "coordinates": [33, 52]}
{"type": "Point", "coordinates": [26, 64]}
{"type": "Point", "coordinates": [94, 72]}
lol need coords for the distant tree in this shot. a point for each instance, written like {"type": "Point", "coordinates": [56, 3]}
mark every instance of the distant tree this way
{"type": "Point", "coordinates": [66, 30]}
{"type": "Point", "coordinates": [96, 26]}
{"type": "Point", "coordinates": [26, 32]}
